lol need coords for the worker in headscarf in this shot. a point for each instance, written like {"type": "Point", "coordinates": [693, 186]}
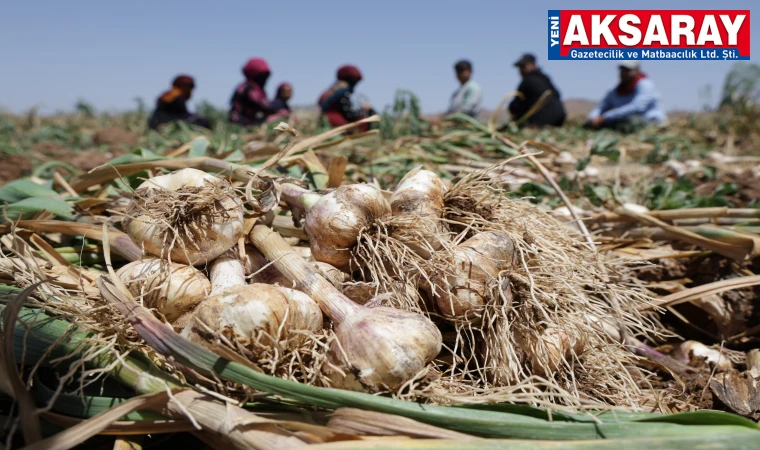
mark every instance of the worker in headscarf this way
{"type": "Point", "coordinates": [171, 106]}
{"type": "Point", "coordinates": [635, 100]}
{"type": "Point", "coordinates": [536, 87]}
{"type": "Point", "coordinates": [249, 104]}
{"type": "Point", "coordinates": [282, 97]}
{"type": "Point", "coordinates": [280, 102]}
{"type": "Point", "coordinates": [335, 103]}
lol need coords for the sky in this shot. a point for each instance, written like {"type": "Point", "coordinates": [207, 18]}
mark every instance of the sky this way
{"type": "Point", "coordinates": [108, 53]}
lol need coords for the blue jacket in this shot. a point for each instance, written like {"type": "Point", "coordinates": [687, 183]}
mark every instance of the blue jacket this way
{"type": "Point", "coordinates": [643, 102]}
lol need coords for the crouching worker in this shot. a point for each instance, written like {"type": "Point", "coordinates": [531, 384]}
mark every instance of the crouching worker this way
{"type": "Point", "coordinates": [249, 105]}
{"type": "Point", "coordinates": [171, 106]}
{"type": "Point", "coordinates": [633, 103]}
{"type": "Point", "coordinates": [335, 103]}
{"type": "Point", "coordinates": [537, 96]}
{"type": "Point", "coordinates": [280, 103]}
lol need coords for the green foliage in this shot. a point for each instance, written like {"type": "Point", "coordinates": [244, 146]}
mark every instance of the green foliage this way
{"type": "Point", "coordinates": [606, 145]}
{"type": "Point", "coordinates": [85, 108]}
{"type": "Point", "coordinates": [740, 98]}
{"type": "Point", "coordinates": [18, 190]}
{"type": "Point", "coordinates": [491, 421]}
{"type": "Point", "coordinates": [663, 194]}
{"type": "Point", "coordinates": [403, 117]}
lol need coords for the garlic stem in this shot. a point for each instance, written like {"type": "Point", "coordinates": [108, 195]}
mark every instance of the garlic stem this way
{"type": "Point", "coordinates": [299, 200]}
{"type": "Point", "coordinates": [332, 302]}
{"type": "Point", "coordinates": [226, 271]}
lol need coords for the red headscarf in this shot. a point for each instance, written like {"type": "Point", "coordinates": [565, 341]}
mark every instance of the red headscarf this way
{"type": "Point", "coordinates": [349, 74]}
{"type": "Point", "coordinates": [255, 66]}
{"type": "Point", "coordinates": [626, 89]}
{"type": "Point", "coordinates": [183, 81]}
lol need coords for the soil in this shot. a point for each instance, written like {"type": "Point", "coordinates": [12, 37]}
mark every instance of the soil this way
{"type": "Point", "coordinates": [12, 167]}
{"type": "Point", "coordinates": [703, 270]}
{"type": "Point", "coordinates": [115, 137]}
{"type": "Point", "coordinates": [747, 183]}
{"type": "Point", "coordinates": [15, 166]}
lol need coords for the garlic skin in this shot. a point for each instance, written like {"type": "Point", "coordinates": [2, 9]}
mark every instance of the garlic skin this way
{"type": "Point", "coordinates": [381, 348]}
{"type": "Point", "coordinates": [332, 273]}
{"type": "Point", "coordinates": [691, 352]}
{"type": "Point", "coordinates": [549, 349]}
{"type": "Point", "coordinates": [333, 223]}
{"type": "Point", "coordinates": [171, 288]}
{"type": "Point", "coordinates": [241, 312]}
{"type": "Point", "coordinates": [201, 234]}
{"type": "Point", "coordinates": [418, 202]}
{"type": "Point", "coordinates": [476, 265]}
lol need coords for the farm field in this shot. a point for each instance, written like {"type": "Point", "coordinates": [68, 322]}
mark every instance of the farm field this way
{"type": "Point", "coordinates": [294, 285]}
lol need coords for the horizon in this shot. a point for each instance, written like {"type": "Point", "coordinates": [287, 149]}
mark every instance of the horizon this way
{"type": "Point", "coordinates": [109, 54]}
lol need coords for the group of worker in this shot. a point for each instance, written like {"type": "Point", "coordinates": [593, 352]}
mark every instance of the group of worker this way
{"type": "Point", "coordinates": [537, 102]}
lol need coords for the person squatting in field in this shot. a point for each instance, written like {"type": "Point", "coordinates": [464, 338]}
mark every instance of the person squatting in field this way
{"type": "Point", "coordinates": [249, 104]}
{"type": "Point", "coordinates": [635, 101]}
{"type": "Point", "coordinates": [171, 106]}
{"type": "Point", "coordinates": [534, 87]}
{"type": "Point", "coordinates": [282, 97]}
{"type": "Point", "coordinates": [468, 96]}
{"type": "Point", "coordinates": [335, 102]}
{"type": "Point", "coordinates": [280, 103]}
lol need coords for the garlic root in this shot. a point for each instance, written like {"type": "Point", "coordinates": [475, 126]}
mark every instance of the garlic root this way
{"type": "Point", "coordinates": [188, 216]}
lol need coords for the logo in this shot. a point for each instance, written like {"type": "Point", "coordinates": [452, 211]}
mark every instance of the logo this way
{"type": "Point", "coordinates": [649, 34]}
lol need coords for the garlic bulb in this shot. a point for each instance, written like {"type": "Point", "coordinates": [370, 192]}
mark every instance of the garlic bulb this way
{"type": "Point", "coordinates": [418, 203]}
{"type": "Point", "coordinates": [333, 221]}
{"type": "Point", "coordinates": [187, 216]}
{"type": "Point", "coordinates": [170, 288]}
{"type": "Point", "coordinates": [376, 348]}
{"type": "Point", "coordinates": [249, 313]}
{"type": "Point", "coordinates": [381, 348]}
{"type": "Point", "coordinates": [474, 267]}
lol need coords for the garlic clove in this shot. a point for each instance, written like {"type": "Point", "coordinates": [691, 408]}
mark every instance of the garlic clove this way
{"type": "Point", "coordinates": [417, 207]}
{"type": "Point", "coordinates": [170, 288]}
{"type": "Point", "coordinates": [693, 352]}
{"type": "Point", "coordinates": [256, 314]}
{"type": "Point", "coordinates": [472, 278]}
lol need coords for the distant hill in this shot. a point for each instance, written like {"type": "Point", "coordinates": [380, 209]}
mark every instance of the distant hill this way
{"type": "Point", "coordinates": [574, 107]}
{"type": "Point", "coordinates": [579, 106]}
